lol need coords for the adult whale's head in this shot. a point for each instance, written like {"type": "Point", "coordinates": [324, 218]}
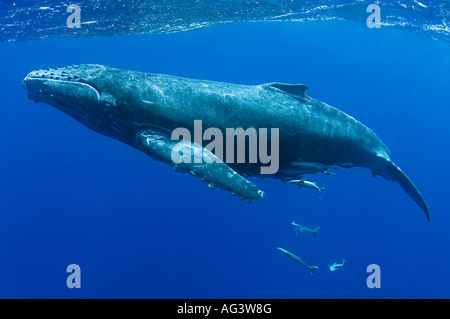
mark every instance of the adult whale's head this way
{"type": "Point", "coordinates": [104, 99]}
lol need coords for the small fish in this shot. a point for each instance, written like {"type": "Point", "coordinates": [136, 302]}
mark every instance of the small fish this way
{"type": "Point", "coordinates": [312, 269]}
{"type": "Point", "coordinates": [304, 229]}
{"type": "Point", "coordinates": [335, 266]}
{"type": "Point", "coordinates": [304, 183]}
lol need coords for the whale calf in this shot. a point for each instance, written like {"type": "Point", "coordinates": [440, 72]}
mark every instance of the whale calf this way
{"type": "Point", "coordinates": [143, 109]}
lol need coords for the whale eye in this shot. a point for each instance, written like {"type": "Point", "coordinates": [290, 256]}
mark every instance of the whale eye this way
{"type": "Point", "coordinates": [107, 105]}
{"type": "Point", "coordinates": [108, 101]}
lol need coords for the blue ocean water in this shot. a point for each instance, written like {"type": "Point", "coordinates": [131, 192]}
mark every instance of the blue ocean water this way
{"type": "Point", "coordinates": [137, 229]}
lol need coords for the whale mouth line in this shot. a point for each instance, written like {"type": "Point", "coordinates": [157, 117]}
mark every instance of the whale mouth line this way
{"type": "Point", "coordinates": [62, 80]}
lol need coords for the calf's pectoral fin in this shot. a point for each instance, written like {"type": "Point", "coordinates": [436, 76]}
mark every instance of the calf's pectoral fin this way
{"type": "Point", "coordinates": [192, 158]}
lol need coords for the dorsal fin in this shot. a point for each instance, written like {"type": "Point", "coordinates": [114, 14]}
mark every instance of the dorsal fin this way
{"type": "Point", "coordinates": [293, 89]}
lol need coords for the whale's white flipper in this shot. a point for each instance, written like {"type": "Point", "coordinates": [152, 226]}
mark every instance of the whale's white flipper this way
{"type": "Point", "coordinates": [209, 167]}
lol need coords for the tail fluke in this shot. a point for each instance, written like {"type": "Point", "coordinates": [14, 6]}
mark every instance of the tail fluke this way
{"type": "Point", "coordinates": [312, 269]}
{"type": "Point", "coordinates": [320, 190]}
{"type": "Point", "coordinates": [315, 231]}
{"type": "Point", "coordinates": [408, 186]}
{"type": "Point", "coordinates": [386, 168]}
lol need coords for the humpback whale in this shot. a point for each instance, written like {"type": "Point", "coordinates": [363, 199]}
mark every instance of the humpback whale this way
{"type": "Point", "coordinates": [142, 109]}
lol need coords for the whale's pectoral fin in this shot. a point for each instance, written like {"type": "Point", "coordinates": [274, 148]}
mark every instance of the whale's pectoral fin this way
{"type": "Point", "coordinates": [197, 160]}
